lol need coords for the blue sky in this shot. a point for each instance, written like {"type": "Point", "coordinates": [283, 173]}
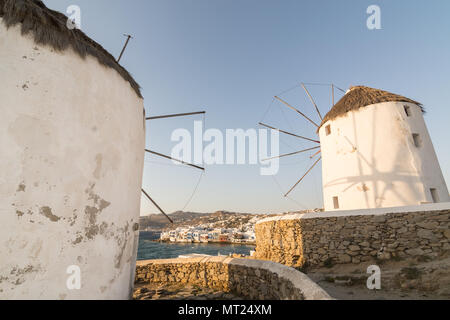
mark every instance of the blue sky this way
{"type": "Point", "coordinates": [231, 57]}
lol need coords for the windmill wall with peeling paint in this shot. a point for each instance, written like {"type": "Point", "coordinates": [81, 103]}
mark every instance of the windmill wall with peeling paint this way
{"type": "Point", "coordinates": [379, 156]}
{"type": "Point", "coordinates": [72, 150]}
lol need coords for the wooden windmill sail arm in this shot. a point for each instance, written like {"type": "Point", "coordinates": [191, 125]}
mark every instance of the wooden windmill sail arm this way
{"type": "Point", "coordinates": [296, 110]}
{"type": "Point", "coordinates": [312, 100]}
{"type": "Point", "coordinates": [291, 154]}
{"type": "Point", "coordinates": [301, 179]}
{"type": "Point", "coordinates": [285, 132]}
{"type": "Point", "coordinates": [175, 115]}
{"type": "Point", "coordinates": [125, 46]}
{"type": "Point", "coordinates": [170, 158]}
{"type": "Point", "coordinates": [315, 154]}
{"type": "Point", "coordinates": [156, 205]}
{"type": "Point", "coordinates": [342, 90]}
{"type": "Point", "coordinates": [332, 93]}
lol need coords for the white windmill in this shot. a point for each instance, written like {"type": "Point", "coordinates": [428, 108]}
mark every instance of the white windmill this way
{"type": "Point", "coordinates": [376, 152]}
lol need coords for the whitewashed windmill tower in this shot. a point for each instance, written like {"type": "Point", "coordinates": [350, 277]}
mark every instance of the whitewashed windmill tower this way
{"type": "Point", "coordinates": [376, 152]}
{"type": "Point", "coordinates": [72, 140]}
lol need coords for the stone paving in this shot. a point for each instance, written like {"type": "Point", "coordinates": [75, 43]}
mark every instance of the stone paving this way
{"type": "Point", "coordinates": [179, 292]}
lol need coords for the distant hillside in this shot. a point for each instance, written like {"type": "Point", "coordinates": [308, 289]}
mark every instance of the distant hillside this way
{"type": "Point", "coordinates": [160, 222]}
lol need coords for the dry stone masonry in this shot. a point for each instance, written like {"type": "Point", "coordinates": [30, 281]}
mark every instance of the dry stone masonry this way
{"type": "Point", "coordinates": [246, 278]}
{"type": "Point", "coordinates": [324, 239]}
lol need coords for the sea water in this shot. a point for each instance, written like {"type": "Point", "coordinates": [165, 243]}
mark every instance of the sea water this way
{"type": "Point", "coordinates": [149, 249]}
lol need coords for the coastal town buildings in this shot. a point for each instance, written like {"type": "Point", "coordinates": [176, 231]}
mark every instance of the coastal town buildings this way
{"type": "Point", "coordinates": [217, 228]}
{"type": "Point", "coordinates": [203, 234]}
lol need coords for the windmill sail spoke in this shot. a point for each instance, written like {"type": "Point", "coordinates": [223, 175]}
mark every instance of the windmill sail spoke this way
{"type": "Point", "coordinates": [315, 154]}
{"type": "Point", "coordinates": [291, 154]}
{"type": "Point", "coordinates": [332, 93]}
{"type": "Point", "coordinates": [125, 46]}
{"type": "Point", "coordinates": [312, 100]}
{"type": "Point", "coordinates": [303, 177]}
{"type": "Point", "coordinates": [156, 205]}
{"type": "Point", "coordinates": [170, 158]}
{"type": "Point", "coordinates": [342, 90]}
{"type": "Point", "coordinates": [285, 132]}
{"type": "Point", "coordinates": [296, 110]}
{"type": "Point", "coordinates": [175, 115]}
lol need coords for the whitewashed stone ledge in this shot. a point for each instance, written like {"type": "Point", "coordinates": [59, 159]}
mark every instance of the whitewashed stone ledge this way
{"type": "Point", "coordinates": [362, 212]}
{"type": "Point", "coordinates": [253, 279]}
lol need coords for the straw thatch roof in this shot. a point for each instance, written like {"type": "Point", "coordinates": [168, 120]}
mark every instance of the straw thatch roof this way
{"type": "Point", "coordinates": [49, 27]}
{"type": "Point", "coordinates": [361, 96]}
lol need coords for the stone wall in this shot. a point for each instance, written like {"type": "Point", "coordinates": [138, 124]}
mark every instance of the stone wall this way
{"type": "Point", "coordinates": [250, 279]}
{"type": "Point", "coordinates": [324, 239]}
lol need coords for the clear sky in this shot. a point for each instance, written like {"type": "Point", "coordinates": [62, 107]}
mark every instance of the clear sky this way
{"type": "Point", "coordinates": [231, 57]}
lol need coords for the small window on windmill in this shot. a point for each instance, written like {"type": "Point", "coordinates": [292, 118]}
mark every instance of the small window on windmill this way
{"type": "Point", "coordinates": [336, 202]}
{"type": "Point", "coordinates": [434, 195]}
{"type": "Point", "coordinates": [328, 130]}
{"type": "Point", "coordinates": [417, 141]}
{"type": "Point", "coordinates": [407, 111]}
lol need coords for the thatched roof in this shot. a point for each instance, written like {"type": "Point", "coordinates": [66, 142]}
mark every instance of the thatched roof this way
{"type": "Point", "coordinates": [49, 27]}
{"type": "Point", "coordinates": [361, 96]}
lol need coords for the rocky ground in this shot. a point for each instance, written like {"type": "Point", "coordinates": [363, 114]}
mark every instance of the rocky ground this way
{"type": "Point", "coordinates": [407, 279]}
{"type": "Point", "coordinates": [178, 292]}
